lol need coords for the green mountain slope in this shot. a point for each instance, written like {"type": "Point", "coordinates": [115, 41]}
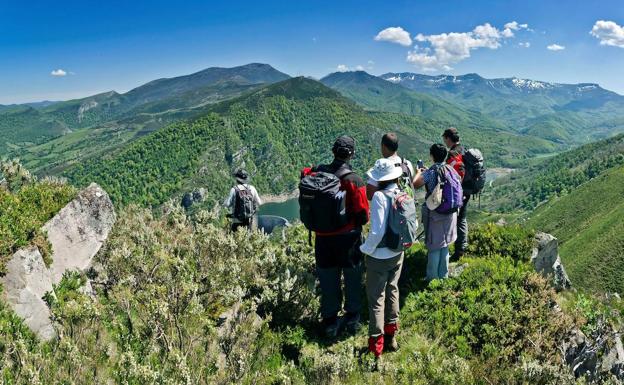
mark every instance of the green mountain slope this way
{"type": "Point", "coordinates": [375, 93]}
{"type": "Point", "coordinates": [572, 113]}
{"type": "Point", "coordinates": [556, 175]}
{"type": "Point", "coordinates": [590, 226]}
{"type": "Point", "coordinates": [138, 110]}
{"type": "Point", "coordinates": [272, 132]}
{"type": "Point", "coordinates": [26, 126]}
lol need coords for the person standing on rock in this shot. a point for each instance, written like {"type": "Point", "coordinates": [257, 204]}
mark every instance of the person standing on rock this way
{"type": "Point", "coordinates": [243, 202]}
{"type": "Point", "coordinates": [333, 205]}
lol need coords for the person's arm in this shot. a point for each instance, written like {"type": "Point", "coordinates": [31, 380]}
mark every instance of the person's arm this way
{"type": "Point", "coordinates": [357, 203]}
{"type": "Point", "coordinates": [419, 180]}
{"type": "Point", "coordinates": [378, 218]}
{"type": "Point", "coordinates": [229, 201]}
{"type": "Point", "coordinates": [257, 197]}
{"type": "Point", "coordinates": [371, 188]}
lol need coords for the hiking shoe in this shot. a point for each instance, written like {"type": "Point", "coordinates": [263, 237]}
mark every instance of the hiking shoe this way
{"type": "Point", "coordinates": [331, 327]}
{"type": "Point", "coordinates": [352, 322]}
{"type": "Point", "coordinates": [390, 343]}
{"type": "Point", "coordinates": [456, 256]}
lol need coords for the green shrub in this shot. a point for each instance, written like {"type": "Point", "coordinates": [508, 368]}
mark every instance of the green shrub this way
{"type": "Point", "coordinates": [25, 208]}
{"type": "Point", "coordinates": [496, 309]}
{"type": "Point", "coordinates": [491, 240]}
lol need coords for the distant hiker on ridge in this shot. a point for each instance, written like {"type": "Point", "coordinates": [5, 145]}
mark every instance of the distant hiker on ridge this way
{"type": "Point", "coordinates": [393, 229]}
{"type": "Point", "coordinates": [389, 149]}
{"type": "Point", "coordinates": [243, 202]}
{"type": "Point", "coordinates": [439, 213]}
{"type": "Point", "coordinates": [333, 204]}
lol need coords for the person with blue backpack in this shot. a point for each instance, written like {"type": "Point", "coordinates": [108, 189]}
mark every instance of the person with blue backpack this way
{"type": "Point", "coordinates": [393, 229]}
{"type": "Point", "coordinates": [443, 199]}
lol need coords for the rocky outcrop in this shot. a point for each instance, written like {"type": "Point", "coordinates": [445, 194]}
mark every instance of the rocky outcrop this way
{"type": "Point", "coordinates": [599, 356]}
{"type": "Point", "coordinates": [196, 196]}
{"type": "Point", "coordinates": [546, 260]}
{"type": "Point", "coordinates": [78, 231]}
{"type": "Point", "coordinates": [26, 281]}
{"type": "Point", "coordinates": [76, 234]}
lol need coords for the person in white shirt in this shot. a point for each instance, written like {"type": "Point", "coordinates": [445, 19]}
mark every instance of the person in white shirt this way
{"type": "Point", "coordinates": [383, 265]}
{"type": "Point", "coordinates": [389, 148]}
{"type": "Point", "coordinates": [243, 202]}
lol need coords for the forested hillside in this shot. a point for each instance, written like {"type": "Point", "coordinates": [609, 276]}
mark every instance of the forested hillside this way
{"type": "Point", "coordinates": [272, 132]}
{"type": "Point", "coordinates": [590, 226]}
{"type": "Point", "coordinates": [556, 175]}
{"type": "Point", "coordinates": [143, 109]}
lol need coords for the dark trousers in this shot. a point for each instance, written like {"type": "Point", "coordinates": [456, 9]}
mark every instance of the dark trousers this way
{"type": "Point", "coordinates": [339, 257]}
{"type": "Point", "coordinates": [461, 244]}
{"type": "Point", "coordinates": [331, 290]}
{"type": "Point", "coordinates": [249, 224]}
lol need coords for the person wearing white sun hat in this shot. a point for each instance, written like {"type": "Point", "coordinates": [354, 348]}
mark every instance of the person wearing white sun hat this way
{"type": "Point", "coordinates": [383, 265]}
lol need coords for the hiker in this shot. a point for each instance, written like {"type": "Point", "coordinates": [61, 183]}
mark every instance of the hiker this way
{"type": "Point", "coordinates": [393, 229]}
{"type": "Point", "coordinates": [243, 202]}
{"type": "Point", "coordinates": [439, 212]}
{"type": "Point", "coordinates": [469, 166]}
{"type": "Point", "coordinates": [333, 204]}
{"type": "Point", "coordinates": [456, 160]}
{"type": "Point", "coordinates": [389, 148]}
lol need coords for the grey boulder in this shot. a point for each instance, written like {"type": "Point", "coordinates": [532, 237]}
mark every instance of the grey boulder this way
{"type": "Point", "coordinates": [546, 260]}
{"type": "Point", "coordinates": [76, 234]}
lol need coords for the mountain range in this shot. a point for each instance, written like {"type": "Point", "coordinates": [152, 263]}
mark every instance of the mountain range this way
{"type": "Point", "coordinates": [140, 110]}
{"type": "Point", "coordinates": [567, 113]}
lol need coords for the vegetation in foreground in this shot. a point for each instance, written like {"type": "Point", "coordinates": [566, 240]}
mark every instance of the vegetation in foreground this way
{"type": "Point", "coordinates": [180, 300]}
{"type": "Point", "coordinates": [25, 207]}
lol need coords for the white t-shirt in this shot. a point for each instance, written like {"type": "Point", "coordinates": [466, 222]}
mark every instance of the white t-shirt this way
{"type": "Point", "coordinates": [397, 160]}
{"type": "Point", "coordinates": [231, 199]}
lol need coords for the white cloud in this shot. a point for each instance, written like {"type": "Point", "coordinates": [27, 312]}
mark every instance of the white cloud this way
{"type": "Point", "coordinates": [555, 47]}
{"type": "Point", "coordinates": [446, 49]}
{"type": "Point", "coordinates": [342, 68]}
{"type": "Point", "coordinates": [58, 73]}
{"type": "Point", "coordinates": [609, 33]}
{"type": "Point", "coordinates": [525, 44]}
{"type": "Point", "coordinates": [395, 35]}
{"type": "Point", "coordinates": [513, 26]}
{"type": "Point", "coordinates": [359, 68]}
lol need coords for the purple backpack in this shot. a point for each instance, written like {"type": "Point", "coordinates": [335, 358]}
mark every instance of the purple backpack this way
{"type": "Point", "coordinates": [452, 193]}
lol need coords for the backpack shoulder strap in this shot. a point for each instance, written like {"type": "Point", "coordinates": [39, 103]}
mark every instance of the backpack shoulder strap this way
{"type": "Point", "coordinates": [342, 172]}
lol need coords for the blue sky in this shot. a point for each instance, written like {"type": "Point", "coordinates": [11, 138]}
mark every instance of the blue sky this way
{"type": "Point", "coordinates": [118, 45]}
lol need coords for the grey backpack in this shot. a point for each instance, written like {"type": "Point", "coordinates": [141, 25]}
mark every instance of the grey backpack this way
{"type": "Point", "coordinates": [402, 226]}
{"type": "Point", "coordinates": [245, 205]}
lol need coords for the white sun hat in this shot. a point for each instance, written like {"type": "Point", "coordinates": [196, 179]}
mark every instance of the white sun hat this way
{"type": "Point", "coordinates": [384, 170]}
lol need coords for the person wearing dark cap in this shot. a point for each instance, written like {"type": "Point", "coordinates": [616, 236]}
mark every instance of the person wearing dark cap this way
{"type": "Point", "coordinates": [455, 159]}
{"type": "Point", "coordinates": [337, 253]}
{"type": "Point", "coordinates": [243, 201]}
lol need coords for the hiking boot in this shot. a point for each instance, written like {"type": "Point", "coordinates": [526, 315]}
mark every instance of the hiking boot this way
{"type": "Point", "coordinates": [456, 256]}
{"type": "Point", "coordinates": [331, 327]}
{"type": "Point", "coordinates": [352, 322]}
{"type": "Point", "coordinates": [390, 343]}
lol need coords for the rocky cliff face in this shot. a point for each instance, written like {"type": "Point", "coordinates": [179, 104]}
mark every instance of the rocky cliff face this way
{"type": "Point", "coordinates": [76, 234]}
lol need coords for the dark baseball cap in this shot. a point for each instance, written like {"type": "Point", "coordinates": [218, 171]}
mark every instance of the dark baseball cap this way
{"type": "Point", "coordinates": [345, 142]}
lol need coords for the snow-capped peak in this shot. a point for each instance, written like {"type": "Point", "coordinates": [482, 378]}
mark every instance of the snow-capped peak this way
{"type": "Point", "coordinates": [530, 84]}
